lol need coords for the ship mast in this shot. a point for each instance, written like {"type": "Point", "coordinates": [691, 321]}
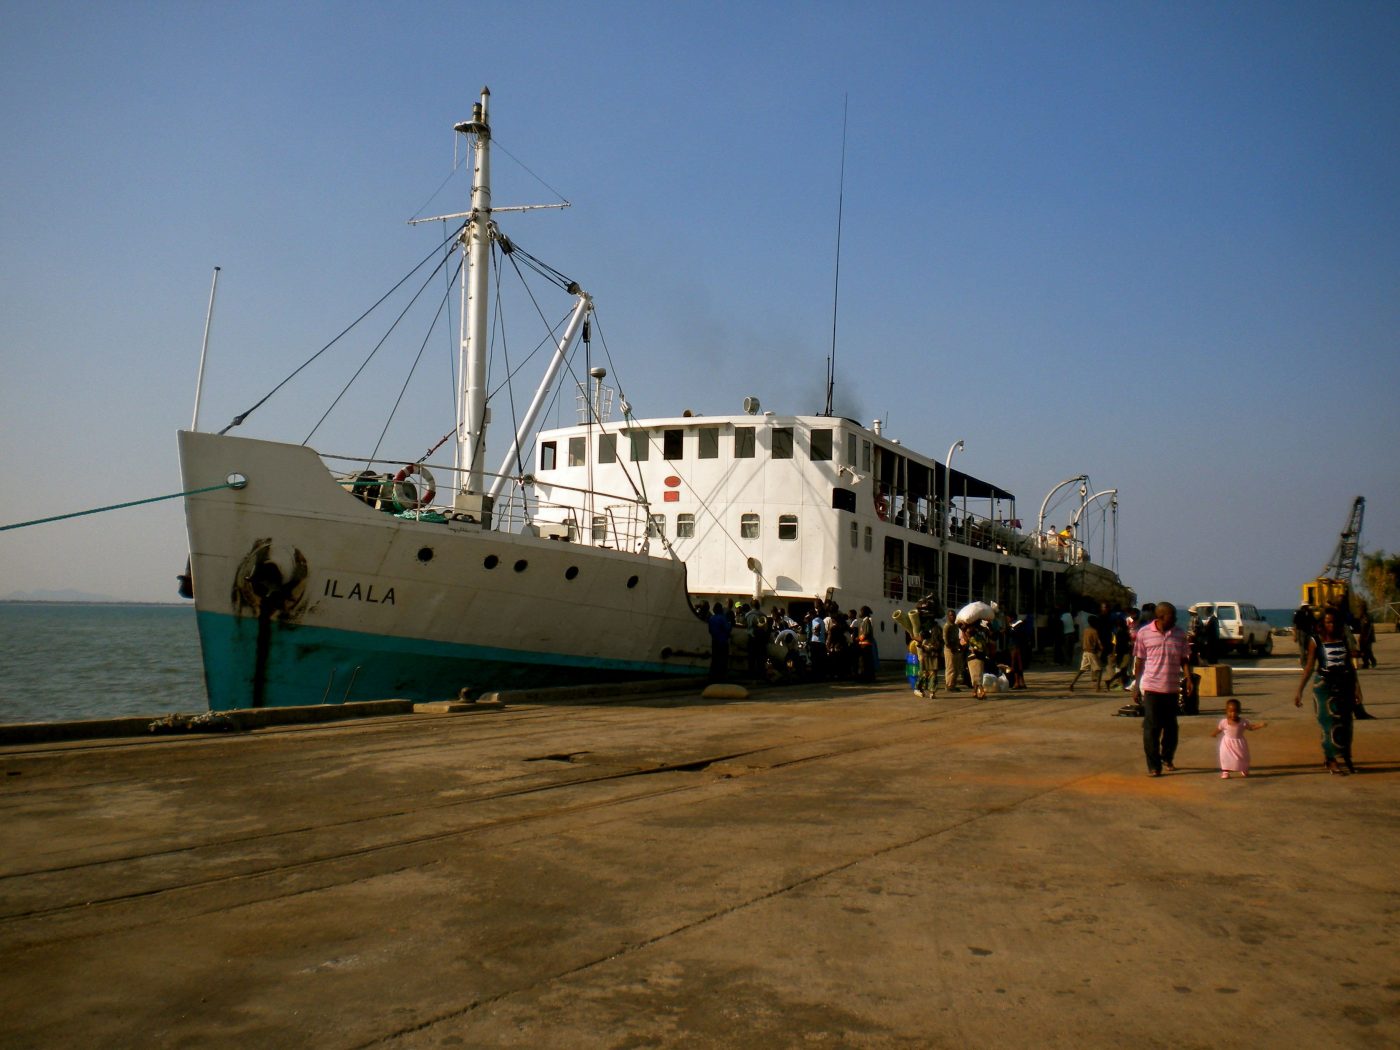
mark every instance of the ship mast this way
{"type": "Point", "coordinates": [476, 279]}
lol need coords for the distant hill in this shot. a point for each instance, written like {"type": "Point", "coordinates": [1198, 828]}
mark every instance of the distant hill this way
{"type": "Point", "coordinates": [68, 595]}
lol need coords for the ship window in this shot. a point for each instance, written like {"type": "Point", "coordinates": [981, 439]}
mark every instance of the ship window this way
{"type": "Point", "coordinates": [865, 458]}
{"type": "Point", "coordinates": [850, 450]}
{"type": "Point", "coordinates": [743, 442]}
{"type": "Point", "coordinates": [821, 445]}
{"type": "Point", "coordinates": [672, 444]}
{"type": "Point", "coordinates": [600, 528]}
{"type": "Point", "coordinates": [748, 527]}
{"type": "Point", "coordinates": [549, 452]}
{"type": "Point", "coordinates": [656, 526]}
{"type": "Point", "coordinates": [607, 448]}
{"type": "Point", "coordinates": [640, 449]}
{"type": "Point", "coordinates": [843, 499]}
{"type": "Point", "coordinates": [787, 526]}
{"type": "Point", "coordinates": [709, 442]}
{"type": "Point", "coordinates": [577, 451]}
{"type": "Point", "coordinates": [685, 526]}
{"type": "Point", "coordinates": [869, 539]}
{"type": "Point", "coordinates": [855, 534]}
{"type": "Point", "coordinates": [782, 442]}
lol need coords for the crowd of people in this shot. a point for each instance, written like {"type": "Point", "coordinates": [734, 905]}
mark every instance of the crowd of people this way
{"type": "Point", "coordinates": [1140, 651]}
{"type": "Point", "coordinates": [824, 643]}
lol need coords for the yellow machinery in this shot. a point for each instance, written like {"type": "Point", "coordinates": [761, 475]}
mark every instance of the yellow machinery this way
{"type": "Point", "coordinates": [1333, 587]}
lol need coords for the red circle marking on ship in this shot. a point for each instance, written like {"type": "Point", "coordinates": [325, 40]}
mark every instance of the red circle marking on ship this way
{"type": "Point", "coordinates": [672, 481]}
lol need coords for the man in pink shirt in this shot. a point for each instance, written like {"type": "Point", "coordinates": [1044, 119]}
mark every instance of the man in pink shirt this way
{"type": "Point", "coordinates": [1160, 657]}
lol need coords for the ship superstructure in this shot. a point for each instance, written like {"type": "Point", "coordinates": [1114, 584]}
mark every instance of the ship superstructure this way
{"type": "Point", "coordinates": [792, 510]}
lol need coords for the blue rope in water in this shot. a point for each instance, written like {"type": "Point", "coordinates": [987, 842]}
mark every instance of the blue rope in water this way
{"type": "Point", "coordinates": [115, 506]}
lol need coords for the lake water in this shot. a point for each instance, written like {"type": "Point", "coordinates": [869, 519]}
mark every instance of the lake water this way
{"type": "Point", "coordinates": [61, 662]}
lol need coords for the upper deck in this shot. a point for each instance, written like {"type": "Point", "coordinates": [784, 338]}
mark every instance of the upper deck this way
{"type": "Point", "coordinates": [734, 495]}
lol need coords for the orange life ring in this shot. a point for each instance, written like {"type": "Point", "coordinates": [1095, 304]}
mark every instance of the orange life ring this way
{"type": "Point", "coordinates": [406, 497]}
{"type": "Point", "coordinates": [882, 505]}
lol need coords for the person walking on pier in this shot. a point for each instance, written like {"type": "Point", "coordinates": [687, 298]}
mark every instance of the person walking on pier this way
{"type": "Point", "coordinates": [868, 655]}
{"type": "Point", "coordinates": [953, 665]}
{"type": "Point", "coordinates": [1302, 631]}
{"type": "Point", "coordinates": [1234, 748]}
{"type": "Point", "coordinates": [1064, 639]}
{"type": "Point", "coordinates": [977, 642]}
{"type": "Point", "coordinates": [1092, 660]}
{"type": "Point", "coordinates": [1118, 658]}
{"type": "Point", "coordinates": [816, 643]}
{"type": "Point", "coordinates": [1160, 658]}
{"type": "Point", "coordinates": [1366, 639]}
{"type": "Point", "coordinates": [1336, 690]}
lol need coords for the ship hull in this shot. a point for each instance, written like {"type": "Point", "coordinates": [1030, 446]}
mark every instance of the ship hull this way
{"type": "Point", "coordinates": [307, 595]}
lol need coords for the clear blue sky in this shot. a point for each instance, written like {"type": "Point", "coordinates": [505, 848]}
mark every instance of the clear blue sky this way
{"type": "Point", "coordinates": [1157, 243]}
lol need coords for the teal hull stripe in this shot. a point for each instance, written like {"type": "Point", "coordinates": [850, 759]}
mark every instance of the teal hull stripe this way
{"type": "Point", "coordinates": [313, 665]}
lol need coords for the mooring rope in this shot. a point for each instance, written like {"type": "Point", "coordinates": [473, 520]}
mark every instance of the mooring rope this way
{"type": "Point", "coordinates": [116, 506]}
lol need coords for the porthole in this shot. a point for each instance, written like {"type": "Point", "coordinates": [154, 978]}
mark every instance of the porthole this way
{"type": "Point", "coordinates": [425, 554]}
{"type": "Point", "coordinates": [571, 572]}
{"type": "Point", "coordinates": [491, 561]}
{"type": "Point", "coordinates": [631, 581]}
{"type": "Point", "coordinates": [521, 565]}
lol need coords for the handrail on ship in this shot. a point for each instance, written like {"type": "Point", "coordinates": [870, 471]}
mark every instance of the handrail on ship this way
{"type": "Point", "coordinates": [623, 523]}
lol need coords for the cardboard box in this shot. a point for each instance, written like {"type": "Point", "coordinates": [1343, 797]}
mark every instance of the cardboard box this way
{"type": "Point", "coordinates": [1216, 680]}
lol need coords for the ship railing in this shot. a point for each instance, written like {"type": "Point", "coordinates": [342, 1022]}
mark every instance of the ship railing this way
{"type": "Point", "coordinates": [600, 519]}
{"type": "Point", "coordinates": [1055, 546]}
{"type": "Point", "coordinates": [1001, 535]}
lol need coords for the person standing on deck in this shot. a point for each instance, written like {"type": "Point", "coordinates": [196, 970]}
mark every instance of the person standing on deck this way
{"type": "Point", "coordinates": [1160, 659]}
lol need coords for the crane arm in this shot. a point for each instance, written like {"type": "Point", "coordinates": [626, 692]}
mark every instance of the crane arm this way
{"type": "Point", "coordinates": [1344, 558]}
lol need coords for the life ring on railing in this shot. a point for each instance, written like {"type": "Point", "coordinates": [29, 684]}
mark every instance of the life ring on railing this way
{"type": "Point", "coordinates": [406, 493]}
{"type": "Point", "coordinates": [882, 505]}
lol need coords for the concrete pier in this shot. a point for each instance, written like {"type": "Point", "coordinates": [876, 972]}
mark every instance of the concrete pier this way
{"type": "Point", "coordinates": [840, 866]}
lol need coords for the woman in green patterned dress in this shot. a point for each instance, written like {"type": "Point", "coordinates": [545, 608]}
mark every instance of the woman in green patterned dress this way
{"type": "Point", "coordinates": [1336, 690]}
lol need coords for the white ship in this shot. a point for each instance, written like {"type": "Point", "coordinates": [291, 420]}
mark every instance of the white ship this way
{"type": "Point", "coordinates": [588, 554]}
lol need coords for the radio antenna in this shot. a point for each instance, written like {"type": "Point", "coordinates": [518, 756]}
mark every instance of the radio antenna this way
{"type": "Point", "coordinates": [836, 291]}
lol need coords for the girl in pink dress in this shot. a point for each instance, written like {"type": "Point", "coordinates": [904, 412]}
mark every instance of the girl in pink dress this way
{"type": "Point", "coordinates": [1234, 748]}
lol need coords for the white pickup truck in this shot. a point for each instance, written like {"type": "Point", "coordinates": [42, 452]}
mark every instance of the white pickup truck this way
{"type": "Point", "coordinates": [1242, 629]}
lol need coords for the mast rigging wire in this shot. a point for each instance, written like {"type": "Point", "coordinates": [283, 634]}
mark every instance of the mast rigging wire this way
{"type": "Point", "coordinates": [365, 363]}
{"type": "Point", "coordinates": [446, 297]}
{"type": "Point", "coordinates": [238, 419]}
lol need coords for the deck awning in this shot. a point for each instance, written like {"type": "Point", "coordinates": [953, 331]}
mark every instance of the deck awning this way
{"type": "Point", "coordinates": [962, 485]}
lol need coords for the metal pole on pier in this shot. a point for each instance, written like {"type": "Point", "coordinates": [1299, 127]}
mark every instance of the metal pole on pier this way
{"type": "Point", "coordinates": [957, 446]}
